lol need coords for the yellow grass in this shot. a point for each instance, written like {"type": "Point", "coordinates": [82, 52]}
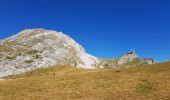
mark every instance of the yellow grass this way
{"type": "Point", "coordinates": [69, 83]}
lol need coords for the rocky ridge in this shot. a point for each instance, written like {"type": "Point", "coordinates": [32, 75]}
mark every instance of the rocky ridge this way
{"type": "Point", "coordinates": [130, 59]}
{"type": "Point", "coordinates": [37, 48]}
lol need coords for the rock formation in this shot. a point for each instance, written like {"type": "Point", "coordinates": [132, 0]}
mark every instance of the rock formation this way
{"type": "Point", "coordinates": [37, 48]}
{"type": "Point", "coordinates": [129, 57]}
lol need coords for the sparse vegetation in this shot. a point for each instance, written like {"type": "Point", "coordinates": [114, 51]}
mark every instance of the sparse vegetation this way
{"type": "Point", "coordinates": [29, 61]}
{"type": "Point", "coordinates": [32, 51]}
{"type": "Point", "coordinates": [11, 57]}
{"type": "Point", "coordinates": [62, 83]}
{"type": "Point", "coordinates": [133, 63]}
{"type": "Point", "coordinates": [38, 56]}
{"type": "Point", "coordinates": [145, 87]}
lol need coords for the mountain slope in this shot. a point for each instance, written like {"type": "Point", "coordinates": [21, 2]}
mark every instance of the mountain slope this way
{"type": "Point", "coordinates": [36, 48]}
{"type": "Point", "coordinates": [149, 82]}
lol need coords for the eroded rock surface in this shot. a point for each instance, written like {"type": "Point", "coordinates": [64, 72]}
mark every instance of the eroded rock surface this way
{"type": "Point", "coordinates": [36, 48]}
{"type": "Point", "coordinates": [129, 57]}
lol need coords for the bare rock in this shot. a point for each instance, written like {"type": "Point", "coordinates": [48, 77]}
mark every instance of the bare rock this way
{"type": "Point", "coordinates": [129, 57]}
{"type": "Point", "coordinates": [36, 48]}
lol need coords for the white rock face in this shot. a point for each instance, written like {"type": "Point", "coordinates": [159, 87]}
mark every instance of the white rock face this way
{"type": "Point", "coordinates": [36, 48]}
{"type": "Point", "coordinates": [129, 57]}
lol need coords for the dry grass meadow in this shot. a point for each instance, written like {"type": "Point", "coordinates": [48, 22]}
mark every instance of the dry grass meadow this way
{"type": "Point", "coordinates": [69, 83]}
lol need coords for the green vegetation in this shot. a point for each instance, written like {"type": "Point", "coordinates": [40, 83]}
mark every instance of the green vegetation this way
{"type": "Point", "coordinates": [63, 83]}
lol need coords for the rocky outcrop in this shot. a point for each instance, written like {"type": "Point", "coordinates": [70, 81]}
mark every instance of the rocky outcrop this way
{"type": "Point", "coordinates": [129, 57]}
{"type": "Point", "coordinates": [149, 61]}
{"type": "Point", "coordinates": [36, 48]}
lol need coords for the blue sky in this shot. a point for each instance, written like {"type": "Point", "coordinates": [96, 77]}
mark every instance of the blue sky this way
{"type": "Point", "coordinates": [105, 28]}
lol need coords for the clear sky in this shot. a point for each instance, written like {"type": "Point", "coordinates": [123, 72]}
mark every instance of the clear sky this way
{"type": "Point", "coordinates": [105, 28]}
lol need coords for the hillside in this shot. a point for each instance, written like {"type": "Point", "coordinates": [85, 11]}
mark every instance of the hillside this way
{"type": "Point", "coordinates": [151, 82]}
{"type": "Point", "coordinates": [37, 48]}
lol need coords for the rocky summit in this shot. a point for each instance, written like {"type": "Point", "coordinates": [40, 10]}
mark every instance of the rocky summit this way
{"type": "Point", "coordinates": [36, 48]}
{"type": "Point", "coordinates": [129, 57]}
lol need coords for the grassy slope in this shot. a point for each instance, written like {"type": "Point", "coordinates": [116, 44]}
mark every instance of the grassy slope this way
{"type": "Point", "coordinates": [60, 82]}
